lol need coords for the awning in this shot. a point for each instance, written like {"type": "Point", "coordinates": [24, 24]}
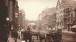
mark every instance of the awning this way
{"type": "Point", "coordinates": [74, 26]}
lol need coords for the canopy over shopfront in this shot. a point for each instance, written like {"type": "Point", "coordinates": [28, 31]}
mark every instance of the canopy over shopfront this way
{"type": "Point", "coordinates": [74, 26]}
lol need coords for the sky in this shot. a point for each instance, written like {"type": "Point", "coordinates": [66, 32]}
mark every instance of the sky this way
{"type": "Point", "coordinates": [33, 8]}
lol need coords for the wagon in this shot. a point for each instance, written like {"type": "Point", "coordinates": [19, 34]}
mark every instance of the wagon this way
{"type": "Point", "coordinates": [55, 36]}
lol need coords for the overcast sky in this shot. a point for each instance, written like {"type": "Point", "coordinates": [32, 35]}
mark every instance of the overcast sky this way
{"type": "Point", "coordinates": [33, 8]}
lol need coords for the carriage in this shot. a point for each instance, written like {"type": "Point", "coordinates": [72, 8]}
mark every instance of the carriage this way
{"type": "Point", "coordinates": [51, 36]}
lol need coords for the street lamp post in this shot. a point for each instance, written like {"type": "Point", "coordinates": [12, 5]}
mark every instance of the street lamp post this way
{"type": "Point", "coordinates": [8, 24]}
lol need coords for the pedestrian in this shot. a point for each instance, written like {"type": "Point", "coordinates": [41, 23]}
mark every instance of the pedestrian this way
{"type": "Point", "coordinates": [28, 28]}
{"type": "Point", "coordinates": [27, 35]}
{"type": "Point", "coordinates": [14, 35]}
{"type": "Point", "coordinates": [19, 34]}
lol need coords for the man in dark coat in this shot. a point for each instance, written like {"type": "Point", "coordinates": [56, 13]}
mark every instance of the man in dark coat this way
{"type": "Point", "coordinates": [27, 35]}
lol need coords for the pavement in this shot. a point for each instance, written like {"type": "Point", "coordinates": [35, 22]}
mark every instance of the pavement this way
{"type": "Point", "coordinates": [10, 39]}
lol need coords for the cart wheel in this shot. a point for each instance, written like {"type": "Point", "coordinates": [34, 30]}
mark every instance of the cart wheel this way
{"type": "Point", "coordinates": [50, 39]}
